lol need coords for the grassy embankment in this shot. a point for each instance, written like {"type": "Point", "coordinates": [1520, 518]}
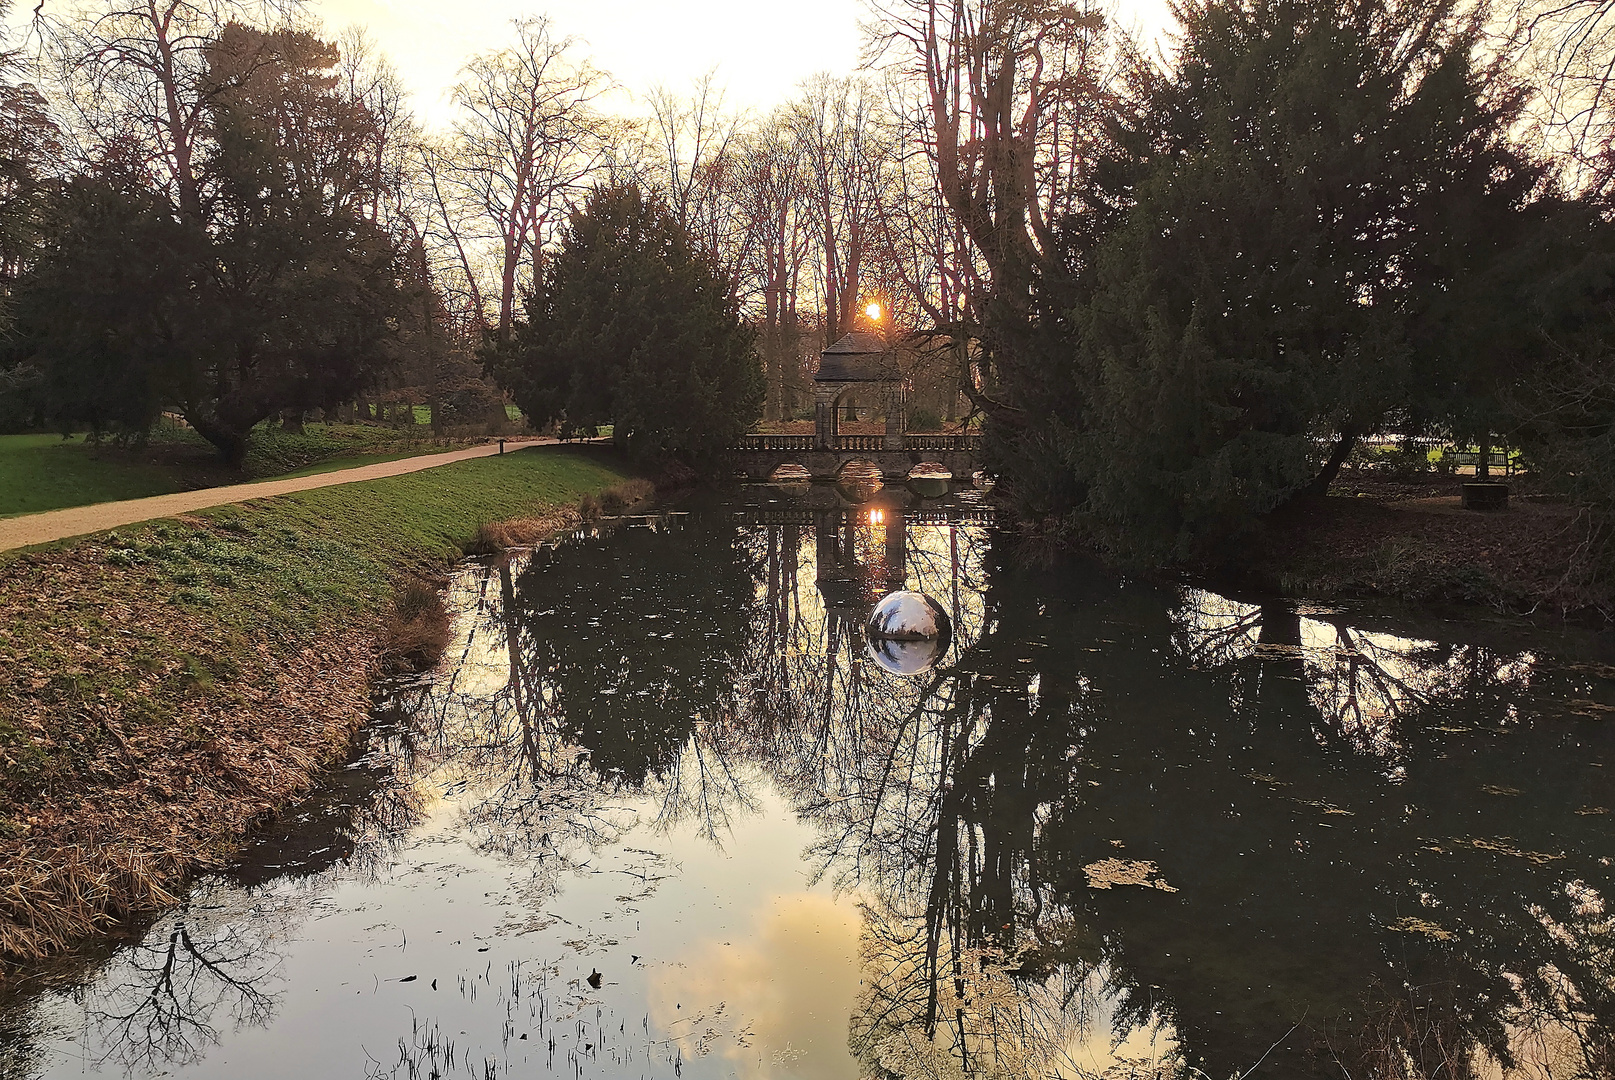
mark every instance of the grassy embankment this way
{"type": "Point", "coordinates": [46, 472]}
{"type": "Point", "coordinates": [164, 686]}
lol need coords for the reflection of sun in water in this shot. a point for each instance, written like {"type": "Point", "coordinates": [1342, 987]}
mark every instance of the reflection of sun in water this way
{"type": "Point", "coordinates": [785, 993]}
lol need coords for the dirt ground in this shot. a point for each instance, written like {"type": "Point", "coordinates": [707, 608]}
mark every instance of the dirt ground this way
{"type": "Point", "coordinates": [1411, 539]}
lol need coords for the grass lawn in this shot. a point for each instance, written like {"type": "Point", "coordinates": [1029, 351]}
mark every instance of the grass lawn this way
{"type": "Point", "coordinates": [45, 472]}
{"type": "Point", "coordinates": [164, 685]}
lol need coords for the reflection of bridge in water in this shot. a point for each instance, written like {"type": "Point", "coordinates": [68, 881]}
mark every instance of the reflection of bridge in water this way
{"type": "Point", "coordinates": [859, 554]}
{"type": "Point", "coordinates": [949, 515]}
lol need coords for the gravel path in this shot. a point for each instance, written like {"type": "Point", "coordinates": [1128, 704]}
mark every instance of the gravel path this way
{"type": "Point", "coordinates": [31, 529]}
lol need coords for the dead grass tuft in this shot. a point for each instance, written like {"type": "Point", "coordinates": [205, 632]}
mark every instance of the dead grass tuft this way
{"type": "Point", "coordinates": [419, 631]}
{"type": "Point", "coordinates": [493, 537]}
{"type": "Point", "coordinates": [616, 499]}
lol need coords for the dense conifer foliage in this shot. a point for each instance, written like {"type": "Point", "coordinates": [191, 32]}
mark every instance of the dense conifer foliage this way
{"type": "Point", "coordinates": [632, 327]}
{"type": "Point", "coordinates": [263, 282]}
{"type": "Point", "coordinates": [1316, 229]}
{"type": "Point", "coordinates": [284, 294]}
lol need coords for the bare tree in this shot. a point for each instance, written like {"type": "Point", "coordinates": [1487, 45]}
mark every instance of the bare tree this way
{"type": "Point", "coordinates": [1567, 50]}
{"type": "Point", "coordinates": [136, 85]}
{"type": "Point", "coordinates": [392, 135]}
{"type": "Point", "coordinates": [845, 158]}
{"type": "Point", "coordinates": [528, 138]}
{"type": "Point", "coordinates": [1003, 88]}
{"type": "Point", "coordinates": [695, 167]}
{"type": "Point", "coordinates": [770, 187]}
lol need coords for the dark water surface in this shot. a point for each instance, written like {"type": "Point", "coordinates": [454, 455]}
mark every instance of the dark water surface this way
{"type": "Point", "coordinates": [661, 813]}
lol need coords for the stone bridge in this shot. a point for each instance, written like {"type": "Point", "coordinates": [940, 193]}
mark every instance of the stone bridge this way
{"type": "Point", "coordinates": [758, 456]}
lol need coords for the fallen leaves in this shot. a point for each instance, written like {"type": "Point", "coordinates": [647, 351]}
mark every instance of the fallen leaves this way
{"type": "Point", "coordinates": [1109, 873]}
{"type": "Point", "coordinates": [1408, 924]}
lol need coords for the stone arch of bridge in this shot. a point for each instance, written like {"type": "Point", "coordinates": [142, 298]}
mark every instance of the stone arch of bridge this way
{"type": "Point", "coordinates": [830, 398]}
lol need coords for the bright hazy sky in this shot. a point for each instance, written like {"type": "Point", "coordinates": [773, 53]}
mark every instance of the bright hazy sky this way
{"type": "Point", "coordinates": [760, 48]}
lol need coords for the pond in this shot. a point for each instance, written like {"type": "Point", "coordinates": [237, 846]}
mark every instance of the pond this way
{"type": "Point", "coordinates": [662, 811]}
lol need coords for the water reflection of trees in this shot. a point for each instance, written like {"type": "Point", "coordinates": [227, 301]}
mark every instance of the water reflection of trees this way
{"type": "Point", "coordinates": [968, 803]}
{"type": "Point", "coordinates": [1365, 687]}
{"type": "Point", "coordinates": [1351, 897]}
{"type": "Point", "coordinates": [208, 967]}
{"type": "Point", "coordinates": [586, 672]}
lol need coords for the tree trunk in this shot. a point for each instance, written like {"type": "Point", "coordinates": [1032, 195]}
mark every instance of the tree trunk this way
{"type": "Point", "coordinates": [231, 444]}
{"type": "Point", "coordinates": [1331, 468]}
{"type": "Point", "coordinates": [1483, 457]}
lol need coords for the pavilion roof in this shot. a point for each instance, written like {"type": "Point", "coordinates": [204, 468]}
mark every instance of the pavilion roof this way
{"type": "Point", "coordinates": [861, 356]}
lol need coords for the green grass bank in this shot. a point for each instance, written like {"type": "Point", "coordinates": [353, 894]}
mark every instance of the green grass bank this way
{"type": "Point", "coordinates": [165, 686]}
{"type": "Point", "coordinates": [47, 472]}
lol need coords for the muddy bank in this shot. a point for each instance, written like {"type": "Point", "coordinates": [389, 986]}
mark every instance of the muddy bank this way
{"type": "Point", "coordinates": [165, 688]}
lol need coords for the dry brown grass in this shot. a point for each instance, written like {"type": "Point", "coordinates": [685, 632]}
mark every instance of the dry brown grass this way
{"type": "Point", "coordinates": [616, 499]}
{"type": "Point", "coordinates": [419, 631]}
{"type": "Point", "coordinates": [493, 537]}
{"type": "Point", "coordinates": [171, 800]}
{"type": "Point", "coordinates": [497, 536]}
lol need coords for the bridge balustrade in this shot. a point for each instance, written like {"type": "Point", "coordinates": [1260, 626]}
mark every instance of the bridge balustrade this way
{"type": "Point", "coordinates": [942, 443]}
{"type": "Point", "coordinates": [775, 442]}
{"type": "Point", "coordinates": [859, 443]}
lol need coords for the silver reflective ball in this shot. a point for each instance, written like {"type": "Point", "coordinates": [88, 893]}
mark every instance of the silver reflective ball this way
{"type": "Point", "coordinates": [908, 632]}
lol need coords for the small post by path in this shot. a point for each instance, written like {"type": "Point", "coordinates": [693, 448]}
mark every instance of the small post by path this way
{"type": "Point", "coordinates": [501, 446]}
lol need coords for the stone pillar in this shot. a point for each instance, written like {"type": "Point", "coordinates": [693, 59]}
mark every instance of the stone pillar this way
{"type": "Point", "coordinates": [826, 421]}
{"type": "Point", "coordinates": [896, 415]}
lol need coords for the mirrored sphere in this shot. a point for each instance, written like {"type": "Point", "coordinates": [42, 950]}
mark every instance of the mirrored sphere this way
{"type": "Point", "coordinates": [908, 632]}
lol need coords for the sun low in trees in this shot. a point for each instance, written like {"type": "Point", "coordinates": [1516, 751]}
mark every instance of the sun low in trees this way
{"type": "Point", "coordinates": [632, 327]}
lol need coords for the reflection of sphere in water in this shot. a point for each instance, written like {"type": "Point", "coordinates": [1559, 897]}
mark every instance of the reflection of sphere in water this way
{"type": "Point", "coordinates": [908, 632]}
{"type": "Point", "coordinates": [905, 657]}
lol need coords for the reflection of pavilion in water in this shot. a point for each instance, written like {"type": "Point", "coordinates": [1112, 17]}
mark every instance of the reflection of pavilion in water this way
{"type": "Point", "coordinates": [860, 554]}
